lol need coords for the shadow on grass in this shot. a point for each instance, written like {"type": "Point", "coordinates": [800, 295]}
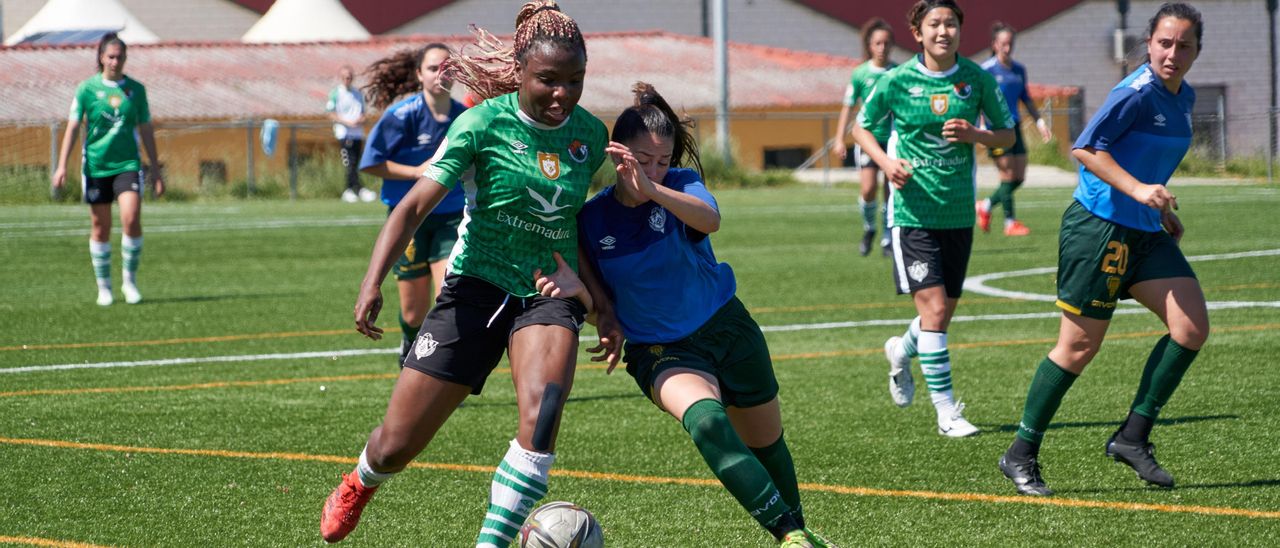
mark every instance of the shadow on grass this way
{"type": "Point", "coordinates": [473, 402]}
{"type": "Point", "coordinates": [1116, 424]}
{"type": "Point", "coordinates": [211, 298]}
{"type": "Point", "coordinates": [1179, 487]}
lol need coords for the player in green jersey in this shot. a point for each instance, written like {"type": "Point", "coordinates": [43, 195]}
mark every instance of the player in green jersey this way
{"type": "Point", "coordinates": [877, 40]}
{"type": "Point", "coordinates": [533, 151]}
{"type": "Point", "coordinates": [113, 107]}
{"type": "Point", "coordinates": [935, 100]}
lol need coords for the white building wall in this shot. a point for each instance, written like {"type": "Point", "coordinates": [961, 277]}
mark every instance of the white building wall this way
{"type": "Point", "coordinates": [1074, 48]}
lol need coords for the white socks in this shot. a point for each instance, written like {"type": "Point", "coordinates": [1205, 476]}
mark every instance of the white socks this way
{"type": "Point", "coordinates": [935, 361]}
{"type": "Point", "coordinates": [518, 484]}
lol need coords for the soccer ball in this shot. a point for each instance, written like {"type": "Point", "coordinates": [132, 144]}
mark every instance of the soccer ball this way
{"type": "Point", "coordinates": [560, 525]}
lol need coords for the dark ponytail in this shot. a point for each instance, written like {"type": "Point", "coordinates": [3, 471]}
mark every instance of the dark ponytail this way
{"type": "Point", "coordinates": [652, 114]}
{"type": "Point", "coordinates": [108, 39]}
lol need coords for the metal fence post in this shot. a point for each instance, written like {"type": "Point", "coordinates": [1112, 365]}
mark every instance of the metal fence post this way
{"type": "Point", "coordinates": [54, 193]}
{"type": "Point", "coordinates": [826, 166]}
{"type": "Point", "coordinates": [1222, 132]}
{"type": "Point", "coordinates": [293, 162]}
{"type": "Point", "coordinates": [249, 155]}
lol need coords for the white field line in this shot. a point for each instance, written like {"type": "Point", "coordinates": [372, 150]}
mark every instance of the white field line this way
{"type": "Point", "coordinates": [33, 230]}
{"type": "Point", "coordinates": [335, 354]}
{"type": "Point", "coordinates": [978, 284]}
{"type": "Point", "coordinates": [975, 284]}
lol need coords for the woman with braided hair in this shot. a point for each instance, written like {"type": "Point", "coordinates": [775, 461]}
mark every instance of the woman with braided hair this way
{"type": "Point", "coordinates": [692, 347]}
{"type": "Point", "coordinates": [408, 134]}
{"type": "Point", "coordinates": [533, 151]}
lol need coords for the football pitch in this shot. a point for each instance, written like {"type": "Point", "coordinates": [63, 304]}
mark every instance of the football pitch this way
{"type": "Point", "coordinates": [222, 409]}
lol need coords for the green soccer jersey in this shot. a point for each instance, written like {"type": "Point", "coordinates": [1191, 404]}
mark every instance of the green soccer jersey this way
{"type": "Point", "coordinates": [111, 111]}
{"type": "Point", "coordinates": [530, 181]}
{"type": "Point", "coordinates": [941, 190]}
{"type": "Point", "coordinates": [861, 82]}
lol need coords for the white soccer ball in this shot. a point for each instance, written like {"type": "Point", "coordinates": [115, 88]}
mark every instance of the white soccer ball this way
{"type": "Point", "coordinates": [560, 525]}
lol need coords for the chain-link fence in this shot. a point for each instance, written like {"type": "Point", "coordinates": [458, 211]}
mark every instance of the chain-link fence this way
{"type": "Point", "coordinates": [232, 158]}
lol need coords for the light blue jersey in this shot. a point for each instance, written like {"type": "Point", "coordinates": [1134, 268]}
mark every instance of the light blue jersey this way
{"type": "Point", "coordinates": [408, 134]}
{"type": "Point", "coordinates": [1013, 84]}
{"type": "Point", "coordinates": [1147, 129]}
{"type": "Point", "coordinates": [661, 275]}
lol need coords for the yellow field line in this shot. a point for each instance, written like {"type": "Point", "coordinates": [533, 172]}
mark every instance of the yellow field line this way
{"type": "Point", "coordinates": [654, 480]}
{"type": "Point", "coordinates": [156, 342]}
{"type": "Point", "coordinates": [33, 541]}
{"type": "Point", "coordinates": [904, 303]}
{"type": "Point", "coordinates": [581, 366]}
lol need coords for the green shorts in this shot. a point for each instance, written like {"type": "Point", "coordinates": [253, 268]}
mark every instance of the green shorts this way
{"type": "Point", "coordinates": [730, 346]}
{"type": "Point", "coordinates": [1098, 261]}
{"type": "Point", "coordinates": [432, 242]}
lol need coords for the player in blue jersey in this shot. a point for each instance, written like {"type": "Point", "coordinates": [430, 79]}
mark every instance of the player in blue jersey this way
{"type": "Point", "coordinates": [877, 42]}
{"type": "Point", "coordinates": [1011, 76]}
{"type": "Point", "coordinates": [1119, 240]}
{"type": "Point", "coordinates": [691, 345]}
{"type": "Point", "coordinates": [406, 136]}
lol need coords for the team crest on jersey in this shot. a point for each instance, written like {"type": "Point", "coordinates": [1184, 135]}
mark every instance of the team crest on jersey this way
{"type": "Point", "coordinates": [657, 219]}
{"type": "Point", "coordinates": [425, 346]}
{"type": "Point", "coordinates": [918, 270]}
{"type": "Point", "coordinates": [963, 90]}
{"type": "Point", "coordinates": [578, 151]}
{"type": "Point", "coordinates": [939, 104]}
{"type": "Point", "coordinates": [549, 165]}
{"type": "Point", "coordinates": [115, 101]}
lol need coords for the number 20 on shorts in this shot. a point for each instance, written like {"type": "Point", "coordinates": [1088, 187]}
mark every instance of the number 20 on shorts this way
{"type": "Point", "coordinates": [1117, 259]}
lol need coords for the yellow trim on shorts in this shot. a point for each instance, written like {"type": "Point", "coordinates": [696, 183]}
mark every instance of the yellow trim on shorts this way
{"type": "Point", "coordinates": [1063, 305]}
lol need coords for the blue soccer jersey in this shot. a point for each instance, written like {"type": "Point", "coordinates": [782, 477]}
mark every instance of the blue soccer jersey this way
{"type": "Point", "coordinates": [1147, 129]}
{"type": "Point", "coordinates": [661, 275]}
{"type": "Point", "coordinates": [1013, 84]}
{"type": "Point", "coordinates": [408, 134]}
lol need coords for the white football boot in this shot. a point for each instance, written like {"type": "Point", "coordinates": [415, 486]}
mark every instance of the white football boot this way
{"type": "Point", "coordinates": [131, 294]}
{"type": "Point", "coordinates": [902, 386]}
{"type": "Point", "coordinates": [952, 424]}
{"type": "Point", "coordinates": [105, 298]}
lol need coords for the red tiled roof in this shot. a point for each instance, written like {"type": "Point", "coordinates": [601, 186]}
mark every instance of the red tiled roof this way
{"type": "Point", "coordinates": [978, 16]}
{"type": "Point", "coordinates": [377, 17]}
{"type": "Point", "coordinates": [221, 81]}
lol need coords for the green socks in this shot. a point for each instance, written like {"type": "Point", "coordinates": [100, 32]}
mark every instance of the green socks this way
{"type": "Point", "coordinates": [1043, 398]}
{"type": "Point", "coordinates": [408, 332]}
{"type": "Point", "coordinates": [1004, 197]}
{"type": "Point", "coordinates": [868, 214]}
{"type": "Point", "coordinates": [1165, 367]}
{"type": "Point", "coordinates": [737, 468]}
{"type": "Point", "coordinates": [776, 459]}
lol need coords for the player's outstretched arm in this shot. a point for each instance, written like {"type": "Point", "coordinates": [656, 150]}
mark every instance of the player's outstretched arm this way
{"type": "Point", "coordinates": [391, 242]}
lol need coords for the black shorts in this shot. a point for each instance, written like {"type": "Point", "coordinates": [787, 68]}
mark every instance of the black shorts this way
{"type": "Point", "coordinates": [1019, 148]}
{"type": "Point", "coordinates": [466, 332]}
{"type": "Point", "coordinates": [925, 257]}
{"type": "Point", "coordinates": [103, 190]}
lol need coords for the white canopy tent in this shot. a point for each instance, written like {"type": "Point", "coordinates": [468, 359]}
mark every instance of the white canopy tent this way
{"type": "Point", "coordinates": [306, 21]}
{"type": "Point", "coordinates": [60, 16]}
